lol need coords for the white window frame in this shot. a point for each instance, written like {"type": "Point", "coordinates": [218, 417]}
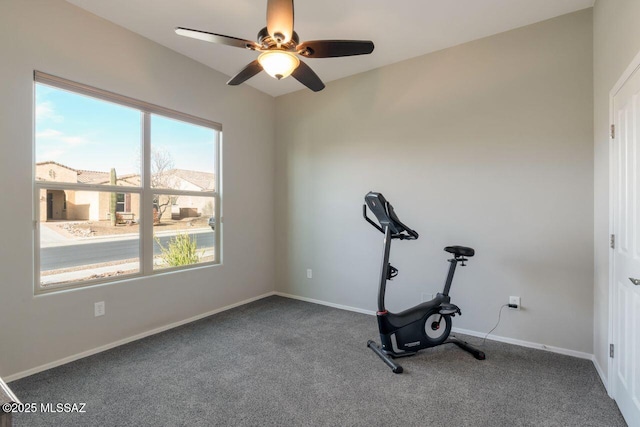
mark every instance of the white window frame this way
{"type": "Point", "coordinates": [145, 191]}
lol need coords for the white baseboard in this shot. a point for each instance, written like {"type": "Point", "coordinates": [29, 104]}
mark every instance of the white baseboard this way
{"type": "Point", "coordinates": [528, 344]}
{"type": "Point", "coordinates": [603, 377]}
{"type": "Point", "coordinates": [507, 340]}
{"type": "Point", "coordinates": [109, 346]}
{"type": "Point", "coordinates": [329, 304]}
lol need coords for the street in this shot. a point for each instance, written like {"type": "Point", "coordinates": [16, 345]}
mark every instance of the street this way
{"type": "Point", "coordinates": [57, 257]}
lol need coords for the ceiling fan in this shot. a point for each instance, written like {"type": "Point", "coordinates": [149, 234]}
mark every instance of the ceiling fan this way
{"type": "Point", "coordinates": [279, 46]}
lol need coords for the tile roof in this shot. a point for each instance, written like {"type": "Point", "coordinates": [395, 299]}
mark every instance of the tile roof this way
{"type": "Point", "coordinates": [49, 162]}
{"type": "Point", "coordinates": [93, 177]}
{"type": "Point", "coordinates": [204, 180]}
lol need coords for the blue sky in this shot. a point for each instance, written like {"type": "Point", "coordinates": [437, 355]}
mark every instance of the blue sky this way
{"type": "Point", "coordinates": [91, 134]}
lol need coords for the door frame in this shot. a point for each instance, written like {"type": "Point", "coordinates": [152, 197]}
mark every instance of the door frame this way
{"type": "Point", "coordinates": [630, 70]}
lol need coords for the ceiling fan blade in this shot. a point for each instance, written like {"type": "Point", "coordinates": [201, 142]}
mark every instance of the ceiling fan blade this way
{"type": "Point", "coordinates": [305, 75]}
{"type": "Point", "coordinates": [334, 48]}
{"type": "Point", "coordinates": [280, 20]}
{"type": "Point", "coordinates": [247, 72]}
{"type": "Point", "coordinates": [217, 38]}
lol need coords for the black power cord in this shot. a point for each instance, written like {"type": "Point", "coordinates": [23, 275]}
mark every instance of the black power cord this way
{"type": "Point", "coordinates": [498, 322]}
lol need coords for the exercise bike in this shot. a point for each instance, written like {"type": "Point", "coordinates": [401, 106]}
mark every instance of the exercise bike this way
{"type": "Point", "coordinates": [425, 325]}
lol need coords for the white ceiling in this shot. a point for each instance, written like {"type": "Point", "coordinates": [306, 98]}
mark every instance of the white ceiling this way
{"type": "Point", "coordinates": [399, 29]}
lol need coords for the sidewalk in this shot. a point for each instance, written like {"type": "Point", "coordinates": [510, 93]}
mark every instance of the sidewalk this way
{"type": "Point", "coordinates": [49, 238]}
{"type": "Point", "coordinates": [85, 274]}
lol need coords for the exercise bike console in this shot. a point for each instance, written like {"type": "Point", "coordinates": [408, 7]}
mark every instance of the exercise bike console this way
{"type": "Point", "coordinates": [425, 325]}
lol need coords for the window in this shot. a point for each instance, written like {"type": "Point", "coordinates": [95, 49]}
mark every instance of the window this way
{"type": "Point", "coordinates": [120, 197]}
{"type": "Point", "coordinates": [122, 188]}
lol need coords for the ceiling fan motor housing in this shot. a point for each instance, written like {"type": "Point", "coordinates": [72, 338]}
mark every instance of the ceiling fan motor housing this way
{"type": "Point", "coordinates": [265, 40]}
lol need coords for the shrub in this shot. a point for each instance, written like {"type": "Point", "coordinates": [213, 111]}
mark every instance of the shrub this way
{"type": "Point", "coordinates": [180, 250]}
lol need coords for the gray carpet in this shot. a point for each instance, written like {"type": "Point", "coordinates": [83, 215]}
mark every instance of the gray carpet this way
{"type": "Point", "coordinates": [282, 362]}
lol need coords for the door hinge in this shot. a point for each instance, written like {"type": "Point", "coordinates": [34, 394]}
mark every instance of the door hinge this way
{"type": "Point", "coordinates": [612, 241]}
{"type": "Point", "coordinates": [611, 351]}
{"type": "Point", "coordinates": [613, 131]}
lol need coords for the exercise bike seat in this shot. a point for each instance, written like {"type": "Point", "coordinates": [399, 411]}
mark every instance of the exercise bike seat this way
{"type": "Point", "coordinates": [460, 251]}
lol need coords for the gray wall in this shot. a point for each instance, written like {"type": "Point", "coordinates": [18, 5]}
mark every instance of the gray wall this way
{"type": "Point", "coordinates": [487, 144]}
{"type": "Point", "coordinates": [616, 36]}
{"type": "Point", "coordinates": [58, 38]}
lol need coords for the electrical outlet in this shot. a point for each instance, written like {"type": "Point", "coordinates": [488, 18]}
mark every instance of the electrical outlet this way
{"type": "Point", "coordinates": [309, 273]}
{"type": "Point", "coordinates": [514, 301]}
{"type": "Point", "coordinates": [98, 309]}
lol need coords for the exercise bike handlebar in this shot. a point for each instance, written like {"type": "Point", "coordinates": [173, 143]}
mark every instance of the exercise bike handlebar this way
{"type": "Point", "coordinates": [411, 234]}
{"type": "Point", "coordinates": [364, 214]}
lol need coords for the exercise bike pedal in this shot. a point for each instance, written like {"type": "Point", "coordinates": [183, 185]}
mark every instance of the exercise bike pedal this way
{"type": "Point", "coordinates": [449, 309]}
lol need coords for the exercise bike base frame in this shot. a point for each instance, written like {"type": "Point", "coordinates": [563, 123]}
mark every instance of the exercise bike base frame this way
{"type": "Point", "coordinates": [387, 357]}
{"type": "Point", "coordinates": [397, 369]}
{"type": "Point", "coordinates": [478, 354]}
{"type": "Point", "coordinates": [405, 333]}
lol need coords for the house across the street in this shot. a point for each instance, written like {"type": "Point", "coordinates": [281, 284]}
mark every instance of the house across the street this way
{"type": "Point", "coordinates": [91, 205]}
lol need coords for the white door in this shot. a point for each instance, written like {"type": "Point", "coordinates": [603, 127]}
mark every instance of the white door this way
{"type": "Point", "coordinates": [625, 379]}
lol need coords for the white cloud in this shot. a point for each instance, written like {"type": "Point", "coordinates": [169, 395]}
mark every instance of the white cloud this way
{"type": "Point", "coordinates": [46, 110]}
{"type": "Point", "coordinates": [49, 134]}
{"type": "Point", "coordinates": [74, 140]}
{"type": "Point", "coordinates": [56, 135]}
{"type": "Point", "coordinates": [52, 154]}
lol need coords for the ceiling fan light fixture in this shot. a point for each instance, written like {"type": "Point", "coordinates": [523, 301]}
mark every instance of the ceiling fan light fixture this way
{"type": "Point", "coordinates": [278, 64]}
